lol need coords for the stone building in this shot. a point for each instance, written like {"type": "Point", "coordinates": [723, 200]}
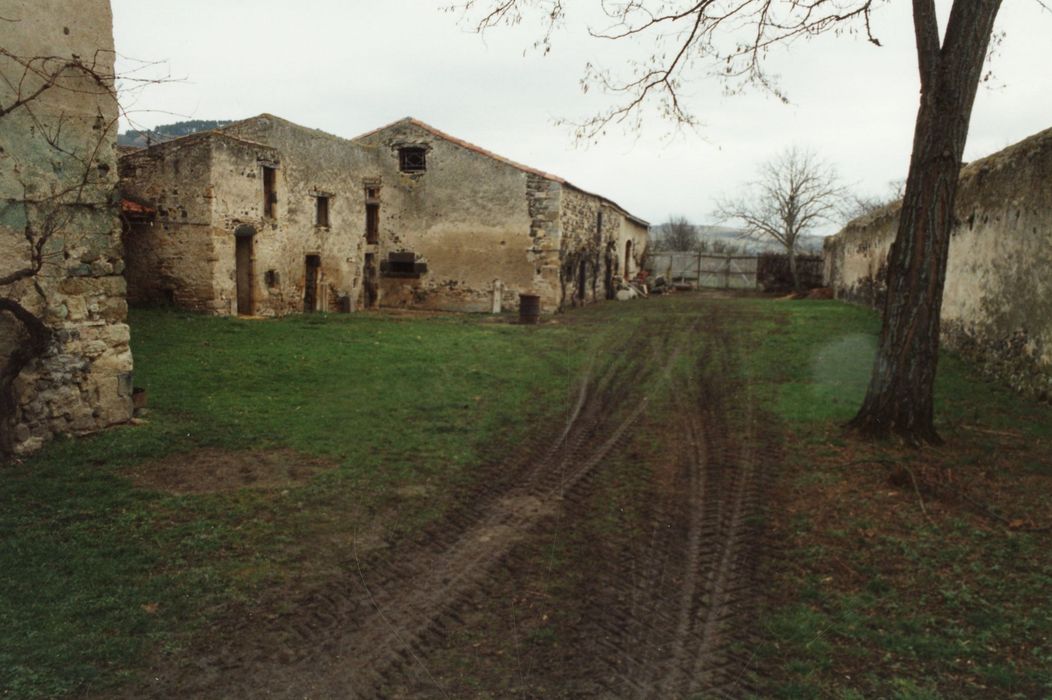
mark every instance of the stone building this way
{"type": "Point", "coordinates": [65, 363]}
{"type": "Point", "coordinates": [267, 217]}
{"type": "Point", "coordinates": [997, 301]}
{"type": "Point", "coordinates": [487, 227]}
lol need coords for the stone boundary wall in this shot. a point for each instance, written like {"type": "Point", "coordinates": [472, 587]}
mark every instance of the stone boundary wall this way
{"type": "Point", "coordinates": [59, 182]}
{"type": "Point", "coordinates": [997, 305]}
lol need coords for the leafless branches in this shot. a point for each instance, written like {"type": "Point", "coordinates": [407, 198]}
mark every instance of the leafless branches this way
{"type": "Point", "coordinates": [73, 167]}
{"type": "Point", "coordinates": [727, 39]}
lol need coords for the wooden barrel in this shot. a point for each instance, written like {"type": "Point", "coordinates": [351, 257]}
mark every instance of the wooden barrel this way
{"type": "Point", "coordinates": [529, 308]}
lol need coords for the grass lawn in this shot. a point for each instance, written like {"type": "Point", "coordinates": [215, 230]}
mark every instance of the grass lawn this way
{"type": "Point", "coordinates": [96, 573]}
{"type": "Point", "coordinates": [898, 573]}
{"type": "Point", "coordinates": [902, 573]}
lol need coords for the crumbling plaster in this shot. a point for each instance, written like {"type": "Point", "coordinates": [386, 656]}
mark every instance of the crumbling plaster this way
{"type": "Point", "coordinates": [997, 302]}
{"type": "Point", "coordinates": [466, 216]}
{"type": "Point", "coordinates": [206, 186]}
{"type": "Point", "coordinates": [476, 229]}
{"type": "Point", "coordinates": [82, 382]}
{"type": "Point", "coordinates": [479, 220]}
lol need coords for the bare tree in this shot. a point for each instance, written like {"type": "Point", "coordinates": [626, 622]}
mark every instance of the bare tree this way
{"type": "Point", "coordinates": [730, 40]}
{"type": "Point", "coordinates": [857, 205]}
{"type": "Point", "coordinates": [679, 234]}
{"type": "Point", "coordinates": [794, 192]}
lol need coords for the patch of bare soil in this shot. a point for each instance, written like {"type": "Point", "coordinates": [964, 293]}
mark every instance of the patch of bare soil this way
{"type": "Point", "coordinates": [653, 608]}
{"type": "Point", "coordinates": [212, 470]}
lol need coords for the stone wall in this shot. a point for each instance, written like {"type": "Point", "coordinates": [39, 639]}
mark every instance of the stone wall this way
{"type": "Point", "coordinates": [600, 246]}
{"type": "Point", "coordinates": [467, 217]}
{"type": "Point", "coordinates": [57, 181]}
{"type": "Point", "coordinates": [171, 258]}
{"type": "Point", "coordinates": [313, 164]}
{"type": "Point", "coordinates": [997, 305]}
{"type": "Point", "coordinates": [207, 188]}
{"type": "Point", "coordinates": [463, 230]}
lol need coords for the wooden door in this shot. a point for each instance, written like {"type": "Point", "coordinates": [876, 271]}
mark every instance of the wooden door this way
{"type": "Point", "coordinates": [243, 274]}
{"type": "Point", "coordinates": [310, 287]}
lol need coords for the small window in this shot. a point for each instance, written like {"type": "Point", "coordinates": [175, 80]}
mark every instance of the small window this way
{"type": "Point", "coordinates": [403, 264]}
{"type": "Point", "coordinates": [412, 159]}
{"type": "Point", "coordinates": [321, 211]}
{"type": "Point", "coordinates": [599, 222]}
{"type": "Point", "coordinates": [270, 195]}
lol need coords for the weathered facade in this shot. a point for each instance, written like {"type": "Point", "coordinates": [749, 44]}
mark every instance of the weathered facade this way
{"type": "Point", "coordinates": [997, 304]}
{"type": "Point", "coordinates": [263, 218]}
{"type": "Point", "coordinates": [403, 216]}
{"type": "Point", "coordinates": [488, 228]}
{"type": "Point", "coordinates": [65, 362]}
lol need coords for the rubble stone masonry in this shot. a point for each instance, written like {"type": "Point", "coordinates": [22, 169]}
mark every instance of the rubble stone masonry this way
{"type": "Point", "coordinates": [58, 176]}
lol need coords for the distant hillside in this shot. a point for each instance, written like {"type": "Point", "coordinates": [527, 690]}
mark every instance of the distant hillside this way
{"type": "Point", "coordinates": [724, 237]}
{"type": "Point", "coordinates": [140, 138]}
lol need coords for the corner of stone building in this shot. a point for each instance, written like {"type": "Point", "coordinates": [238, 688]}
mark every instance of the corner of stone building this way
{"type": "Point", "coordinates": [81, 380]}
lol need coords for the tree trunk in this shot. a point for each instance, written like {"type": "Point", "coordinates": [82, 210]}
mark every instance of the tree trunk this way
{"type": "Point", "coordinates": [900, 399]}
{"type": "Point", "coordinates": [38, 336]}
{"type": "Point", "coordinates": [791, 253]}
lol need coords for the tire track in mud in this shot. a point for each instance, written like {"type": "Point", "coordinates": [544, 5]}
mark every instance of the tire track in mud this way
{"type": "Point", "coordinates": [676, 627]}
{"type": "Point", "coordinates": [669, 612]}
{"type": "Point", "coordinates": [345, 639]}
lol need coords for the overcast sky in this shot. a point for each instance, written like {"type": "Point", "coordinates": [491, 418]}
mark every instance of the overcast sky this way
{"type": "Point", "coordinates": [348, 66]}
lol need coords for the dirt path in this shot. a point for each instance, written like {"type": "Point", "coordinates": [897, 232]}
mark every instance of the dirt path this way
{"type": "Point", "coordinates": [664, 618]}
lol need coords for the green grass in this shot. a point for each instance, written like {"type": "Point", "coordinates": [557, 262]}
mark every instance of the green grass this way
{"type": "Point", "coordinates": [393, 403]}
{"type": "Point", "coordinates": [97, 575]}
{"type": "Point", "coordinates": [872, 599]}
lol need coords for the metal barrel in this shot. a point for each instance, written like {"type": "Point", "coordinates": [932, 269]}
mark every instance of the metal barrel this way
{"type": "Point", "coordinates": [529, 308]}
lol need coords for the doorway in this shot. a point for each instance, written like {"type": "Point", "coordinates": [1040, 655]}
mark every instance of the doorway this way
{"type": "Point", "coordinates": [369, 281]}
{"type": "Point", "coordinates": [628, 260]}
{"type": "Point", "coordinates": [609, 268]}
{"type": "Point", "coordinates": [243, 252]}
{"type": "Point", "coordinates": [582, 279]}
{"type": "Point", "coordinates": [310, 285]}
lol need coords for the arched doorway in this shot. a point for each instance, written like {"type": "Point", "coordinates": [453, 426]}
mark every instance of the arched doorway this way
{"type": "Point", "coordinates": [628, 260]}
{"type": "Point", "coordinates": [244, 237]}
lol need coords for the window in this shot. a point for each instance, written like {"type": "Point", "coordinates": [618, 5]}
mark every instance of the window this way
{"type": "Point", "coordinates": [599, 222]}
{"type": "Point", "coordinates": [372, 214]}
{"type": "Point", "coordinates": [412, 159]}
{"type": "Point", "coordinates": [270, 195]}
{"type": "Point", "coordinates": [372, 223]}
{"type": "Point", "coordinates": [321, 211]}
{"type": "Point", "coordinates": [402, 264]}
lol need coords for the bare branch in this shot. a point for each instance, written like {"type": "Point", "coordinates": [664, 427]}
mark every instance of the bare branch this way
{"type": "Point", "coordinates": [682, 35]}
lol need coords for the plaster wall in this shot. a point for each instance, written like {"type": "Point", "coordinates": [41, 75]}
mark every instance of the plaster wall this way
{"type": "Point", "coordinates": [997, 304]}
{"type": "Point", "coordinates": [468, 217]}
{"type": "Point", "coordinates": [57, 176]}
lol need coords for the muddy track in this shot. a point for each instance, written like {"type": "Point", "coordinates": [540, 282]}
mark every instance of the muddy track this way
{"type": "Point", "coordinates": [680, 621]}
{"type": "Point", "coordinates": [344, 640]}
{"type": "Point", "coordinates": [668, 614]}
